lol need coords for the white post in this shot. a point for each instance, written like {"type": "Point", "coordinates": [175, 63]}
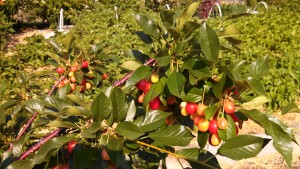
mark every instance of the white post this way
{"type": "Point", "coordinates": [117, 16]}
{"type": "Point", "coordinates": [61, 21]}
{"type": "Point", "coordinates": [167, 6]}
{"type": "Point", "coordinates": [219, 9]}
{"type": "Point", "coordinates": [265, 5]}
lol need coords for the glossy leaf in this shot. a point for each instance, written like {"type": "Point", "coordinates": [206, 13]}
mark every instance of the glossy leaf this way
{"type": "Point", "coordinates": [139, 74]}
{"type": "Point", "coordinates": [19, 144]}
{"type": "Point", "coordinates": [194, 95]}
{"type": "Point", "coordinates": [88, 158]}
{"type": "Point", "coordinates": [255, 103]}
{"type": "Point", "coordinates": [256, 85]}
{"type": "Point", "coordinates": [56, 102]}
{"type": "Point", "coordinates": [152, 120]}
{"type": "Point", "coordinates": [155, 90]}
{"type": "Point", "coordinates": [242, 146]}
{"type": "Point", "coordinates": [35, 104]}
{"type": "Point", "coordinates": [186, 15]}
{"type": "Point", "coordinates": [119, 105]}
{"type": "Point", "coordinates": [74, 111]}
{"type": "Point", "coordinates": [290, 108]}
{"type": "Point", "coordinates": [176, 83]}
{"type": "Point", "coordinates": [50, 146]}
{"type": "Point", "coordinates": [230, 132]}
{"type": "Point", "coordinates": [163, 61]}
{"type": "Point", "coordinates": [131, 111]}
{"type": "Point", "coordinates": [129, 130]}
{"type": "Point", "coordinates": [2, 116]}
{"type": "Point", "coordinates": [148, 26]}
{"type": "Point", "coordinates": [144, 37]}
{"type": "Point", "coordinates": [175, 135]}
{"type": "Point", "coordinates": [282, 141]}
{"type": "Point", "coordinates": [209, 42]}
{"type": "Point", "coordinates": [202, 139]}
{"type": "Point", "coordinates": [219, 87]}
{"type": "Point", "coordinates": [21, 164]}
{"type": "Point", "coordinates": [130, 65]}
{"type": "Point", "coordinates": [259, 68]}
{"type": "Point", "coordinates": [210, 111]}
{"type": "Point", "coordinates": [115, 151]}
{"type": "Point", "coordinates": [100, 108]}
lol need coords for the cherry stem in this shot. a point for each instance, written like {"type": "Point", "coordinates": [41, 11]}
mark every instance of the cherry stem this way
{"type": "Point", "coordinates": [125, 78]}
{"type": "Point", "coordinates": [39, 144]}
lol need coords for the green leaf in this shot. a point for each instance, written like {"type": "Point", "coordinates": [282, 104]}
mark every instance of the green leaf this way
{"type": "Point", "coordinates": [138, 55]}
{"type": "Point", "coordinates": [59, 123]}
{"type": "Point", "coordinates": [175, 135]}
{"type": "Point", "coordinates": [255, 103]}
{"type": "Point", "coordinates": [194, 95]}
{"type": "Point", "coordinates": [74, 111]}
{"type": "Point", "coordinates": [256, 85]}
{"type": "Point", "coordinates": [282, 140]}
{"type": "Point", "coordinates": [129, 130]}
{"type": "Point", "coordinates": [56, 102]}
{"type": "Point", "coordinates": [78, 100]}
{"type": "Point", "coordinates": [237, 65]}
{"type": "Point", "coordinates": [119, 105]}
{"type": "Point", "coordinates": [242, 146]}
{"type": "Point", "coordinates": [88, 158]}
{"type": "Point", "coordinates": [163, 61]}
{"type": "Point", "coordinates": [140, 73]}
{"type": "Point", "coordinates": [19, 144]}
{"type": "Point", "coordinates": [290, 108]}
{"type": "Point", "coordinates": [144, 37]}
{"type": "Point", "coordinates": [152, 120]}
{"type": "Point", "coordinates": [186, 15]}
{"type": "Point", "coordinates": [209, 42]}
{"type": "Point", "coordinates": [35, 104]}
{"type": "Point", "coordinates": [87, 133]}
{"type": "Point", "coordinates": [218, 87]}
{"type": "Point", "coordinates": [131, 111]}
{"type": "Point", "coordinates": [130, 65]}
{"type": "Point", "coordinates": [62, 92]}
{"type": "Point", "coordinates": [211, 111]}
{"type": "Point", "coordinates": [176, 83]}
{"type": "Point", "coordinates": [100, 108]}
{"type": "Point", "coordinates": [155, 90]}
{"type": "Point", "coordinates": [230, 132]}
{"type": "Point", "coordinates": [148, 26]}
{"type": "Point", "coordinates": [259, 68]}
{"type": "Point", "coordinates": [50, 146]}
{"type": "Point", "coordinates": [197, 68]}
{"type": "Point", "coordinates": [192, 153]}
{"type": "Point", "coordinates": [21, 164]}
{"type": "Point", "coordinates": [115, 151]}
{"type": "Point", "coordinates": [2, 116]}
{"type": "Point", "coordinates": [202, 139]}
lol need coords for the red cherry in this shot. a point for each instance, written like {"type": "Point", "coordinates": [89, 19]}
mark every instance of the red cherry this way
{"type": "Point", "coordinates": [229, 107]}
{"type": "Point", "coordinates": [141, 98]}
{"type": "Point", "coordinates": [104, 76]}
{"type": "Point", "coordinates": [144, 85]}
{"type": "Point", "coordinates": [213, 126]}
{"type": "Point", "coordinates": [196, 119]}
{"type": "Point", "coordinates": [171, 100]}
{"type": "Point", "coordinates": [60, 70]}
{"type": "Point", "coordinates": [71, 146]}
{"type": "Point", "coordinates": [154, 104]}
{"type": "Point", "coordinates": [191, 108]}
{"type": "Point", "coordinates": [84, 64]}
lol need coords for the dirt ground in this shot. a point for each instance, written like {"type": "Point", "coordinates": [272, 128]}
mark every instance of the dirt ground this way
{"type": "Point", "coordinates": [270, 160]}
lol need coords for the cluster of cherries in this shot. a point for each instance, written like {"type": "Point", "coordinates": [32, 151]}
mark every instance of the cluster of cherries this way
{"type": "Point", "coordinates": [196, 113]}
{"type": "Point", "coordinates": [71, 77]}
{"type": "Point", "coordinates": [144, 86]}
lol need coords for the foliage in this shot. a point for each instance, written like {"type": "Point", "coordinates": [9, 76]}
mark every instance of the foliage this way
{"type": "Point", "coordinates": [272, 34]}
{"type": "Point", "coordinates": [141, 134]}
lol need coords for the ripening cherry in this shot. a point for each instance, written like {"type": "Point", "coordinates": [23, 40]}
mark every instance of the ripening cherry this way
{"type": "Point", "coordinates": [196, 119]}
{"type": "Point", "coordinates": [104, 76]}
{"type": "Point", "coordinates": [183, 104]}
{"type": "Point", "coordinates": [84, 64]}
{"type": "Point", "coordinates": [154, 77]}
{"type": "Point", "coordinates": [200, 109]}
{"type": "Point", "coordinates": [171, 100]}
{"type": "Point", "coordinates": [203, 125]}
{"type": "Point", "coordinates": [213, 126]}
{"type": "Point", "coordinates": [141, 98]}
{"type": "Point", "coordinates": [183, 111]}
{"type": "Point", "coordinates": [191, 108]}
{"type": "Point", "coordinates": [60, 85]}
{"type": "Point", "coordinates": [105, 155]}
{"type": "Point", "coordinates": [71, 74]}
{"type": "Point", "coordinates": [73, 79]}
{"type": "Point", "coordinates": [222, 123]}
{"type": "Point", "coordinates": [229, 107]}
{"type": "Point", "coordinates": [144, 85]}
{"type": "Point", "coordinates": [88, 86]}
{"type": "Point", "coordinates": [154, 104]}
{"type": "Point", "coordinates": [74, 68]}
{"type": "Point", "coordinates": [215, 140]}
{"type": "Point", "coordinates": [60, 70]}
{"type": "Point", "coordinates": [71, 146]}
{"type": "Point", "coordinates": [73, 86]}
